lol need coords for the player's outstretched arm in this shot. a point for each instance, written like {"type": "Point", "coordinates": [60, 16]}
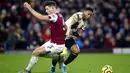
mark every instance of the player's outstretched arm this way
{"type": "Point", "coordinates": [36, 14]}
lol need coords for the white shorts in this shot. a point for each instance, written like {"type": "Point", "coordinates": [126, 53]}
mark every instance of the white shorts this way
{"type": "Point", "coordinates": [53, 48]}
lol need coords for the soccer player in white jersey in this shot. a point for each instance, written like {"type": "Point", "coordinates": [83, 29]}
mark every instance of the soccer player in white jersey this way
{"type": "Point", "coordinates": [57, 28]}
{"type": "Point", "coordinates": [74, 24]}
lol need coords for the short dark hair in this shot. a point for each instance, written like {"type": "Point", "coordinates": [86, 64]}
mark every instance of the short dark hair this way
{"type": "Point", "coordinates": [49, 3]}
{"type": "Point", "coordinates": [88, 8]}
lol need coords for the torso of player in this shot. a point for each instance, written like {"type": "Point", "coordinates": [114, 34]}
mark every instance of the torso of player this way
{"type": "Point", "coordinates": [58, 30]}
{"type": "Point", "coordinates": [71, 26]}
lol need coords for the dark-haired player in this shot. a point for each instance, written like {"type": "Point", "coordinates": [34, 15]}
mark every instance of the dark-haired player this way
{"type": "Point", "coordinates": [57, 27]}
{"type": "Point", "coordinates": [74, 24]}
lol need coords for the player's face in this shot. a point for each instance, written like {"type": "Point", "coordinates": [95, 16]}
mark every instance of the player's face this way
{"type": "Point", "coordinates": [49, 9]}
{"type": "Point", "coordinates": [87, 14]}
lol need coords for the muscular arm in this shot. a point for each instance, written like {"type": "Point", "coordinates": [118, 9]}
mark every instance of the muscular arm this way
{"type": "Point", "coordinates": [36, 14]}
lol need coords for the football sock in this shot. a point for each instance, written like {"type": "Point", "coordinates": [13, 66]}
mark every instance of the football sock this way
{"type": "Point", "coordinates": [70, 58]}
{"type": "Point", "coordinates": [64, 64]}
{"type": "Point", "coordinates": [32, 62]}
{"type": "Point", "coordinates": [54, 62]}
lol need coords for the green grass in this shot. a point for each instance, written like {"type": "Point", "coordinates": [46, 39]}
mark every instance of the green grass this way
{"type": "Point", "coordinates": [85, 63]}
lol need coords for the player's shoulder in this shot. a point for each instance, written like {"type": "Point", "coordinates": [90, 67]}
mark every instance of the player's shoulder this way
{"type": "Point", "coordinates": [78, 15]}
{"type": "Point", "coordinates": [58, 14]}
{"type": "Point", "coordinates": [53, 15]}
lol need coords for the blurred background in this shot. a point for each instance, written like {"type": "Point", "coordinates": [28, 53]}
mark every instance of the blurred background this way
{"type": "Point", "coordinates": [108, 28]}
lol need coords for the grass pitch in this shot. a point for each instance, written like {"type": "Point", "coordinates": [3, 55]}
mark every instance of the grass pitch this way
{"type": "Point", "coordinates": [85, 63]}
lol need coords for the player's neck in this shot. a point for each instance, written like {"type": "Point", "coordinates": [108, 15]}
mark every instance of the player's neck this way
{"type": "Point", "coordinates": [54, 12]}
{"type": "Point", "coordinates": [83, 16]}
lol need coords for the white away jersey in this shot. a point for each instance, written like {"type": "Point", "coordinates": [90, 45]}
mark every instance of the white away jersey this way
{"type": "Point", "coordinates": [74, 23]}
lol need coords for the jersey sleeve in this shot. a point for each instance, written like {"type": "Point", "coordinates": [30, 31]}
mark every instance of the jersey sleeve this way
{"type": "Point", "coordinates": [53, 17]}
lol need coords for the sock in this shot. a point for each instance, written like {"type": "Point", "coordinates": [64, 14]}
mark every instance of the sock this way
{"type": "Point", "coordinates": [54, 62]}
{"type": "Point", "coordinates": [64, 64]}
{"type": "Point", "coordinates": [32, 62]}
{"type": "Point", "coordinates": [70, 58]}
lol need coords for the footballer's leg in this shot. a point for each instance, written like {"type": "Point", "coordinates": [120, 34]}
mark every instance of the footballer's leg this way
{"type": "Point", "coordinates": [57, 58]}
{"type": "Point", "coordinates": [61, 58]}
{"type": "Point", "coordinates": [74, 51]}
{"type": "Point", "coordinates": [54, 62]}
{"type": "Point", "coordinates": [37, 52]}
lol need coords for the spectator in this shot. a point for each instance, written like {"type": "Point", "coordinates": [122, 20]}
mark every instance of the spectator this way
{"type": "Point", "coordinates": [119, 39]}
{"type": "Point", "coordinates": [110, 41]}
{"type": "Point", "coordinates": [3, 37]}
{"type": "Point", "coordinates": [127, 41]}
{"type": "Point", "coordinates": [14, 37]}
{"type": "Point", "coordinates": [41, 41]}
{"type": "Point", "coordinates": [46, 34]}
{"type": "Point", "coordinates": [126, 27]}
{"type": "Point", "coordinates": [34, 25]}
{"type": "Point", "coordinates": [87, 44]}
{"type": "Point", "coordinates": [32, 40]}
{"type": "Point", "coordinates": [99, 36]}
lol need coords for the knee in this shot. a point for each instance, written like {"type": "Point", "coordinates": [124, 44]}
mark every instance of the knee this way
{"type": "Point", "coordinates": [34, 53]}
{"type": "Point", "coordinates": [75, 51]}
{"type": "Point", "coordinates": [38, 52]}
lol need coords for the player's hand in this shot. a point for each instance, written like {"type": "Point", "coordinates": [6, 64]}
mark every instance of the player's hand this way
{"type": "Point", "coordinates": [26, 5]}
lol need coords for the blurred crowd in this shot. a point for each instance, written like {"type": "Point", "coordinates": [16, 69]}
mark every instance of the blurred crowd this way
{"type": "Point", "coordinates": [109, 27]}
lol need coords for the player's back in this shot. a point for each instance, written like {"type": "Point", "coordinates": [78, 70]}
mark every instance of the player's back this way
{"type": "Point", "coordinates": [58, 30]}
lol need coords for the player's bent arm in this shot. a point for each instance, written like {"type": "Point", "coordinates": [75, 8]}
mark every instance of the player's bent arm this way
{"type": "Point", "coordinates": [52, 17]}
{"type": "Point", "coordinates": [38, 15]}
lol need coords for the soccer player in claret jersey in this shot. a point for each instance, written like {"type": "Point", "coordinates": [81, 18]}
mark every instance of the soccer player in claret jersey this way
{"type": "Point", "coordinates": [57, 27]}
{"type": "Point", "coordinates": [75, 26]}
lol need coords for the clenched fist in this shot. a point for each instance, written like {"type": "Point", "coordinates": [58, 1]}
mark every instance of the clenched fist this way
{"type": "Point", "coordinates": [26, 5]}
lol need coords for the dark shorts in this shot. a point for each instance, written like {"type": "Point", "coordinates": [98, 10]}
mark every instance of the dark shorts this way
{"type": "Point", "coordinates": [70, 42]}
